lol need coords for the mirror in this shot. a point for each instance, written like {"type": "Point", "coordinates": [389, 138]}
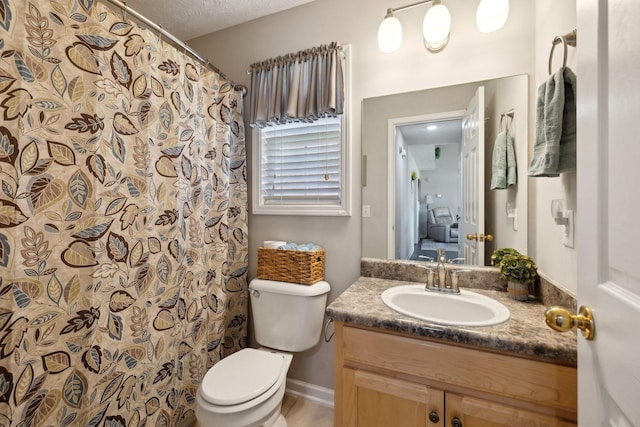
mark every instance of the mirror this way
{"type": "Point", "coordinates": [396, 183]}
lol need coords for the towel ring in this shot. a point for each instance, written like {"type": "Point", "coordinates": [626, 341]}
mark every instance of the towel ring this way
{"type": "Point", "coordinates": [567, 39]}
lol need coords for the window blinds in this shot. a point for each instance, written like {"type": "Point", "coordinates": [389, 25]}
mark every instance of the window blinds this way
{"type": "Point", "coordinates": [301, 163]}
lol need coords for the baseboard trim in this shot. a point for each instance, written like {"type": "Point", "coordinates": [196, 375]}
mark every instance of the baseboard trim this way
{"type": "Point", "coordinates": [321, 395]}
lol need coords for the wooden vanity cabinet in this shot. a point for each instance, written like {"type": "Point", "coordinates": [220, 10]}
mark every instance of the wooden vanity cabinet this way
{"type": "Point", "coordinates": [376, 400]}
{"type": "Point", "coordinates": [391, 380]}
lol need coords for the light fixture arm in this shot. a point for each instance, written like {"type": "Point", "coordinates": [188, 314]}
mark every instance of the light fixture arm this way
{"type": "Point", "coordinates": [391, 11]}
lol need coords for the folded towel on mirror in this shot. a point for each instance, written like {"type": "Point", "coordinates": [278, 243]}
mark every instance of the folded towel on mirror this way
{"type": "Point", "coordinates": [555, 148]}
{"type": "Point", "coordinates": [503, 166]}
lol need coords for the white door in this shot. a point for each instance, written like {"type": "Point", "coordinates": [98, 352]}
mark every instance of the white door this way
{"type": "Point", "coordinates": [473, 177]}
{"type": "Point", "coordinates": [608, 227]}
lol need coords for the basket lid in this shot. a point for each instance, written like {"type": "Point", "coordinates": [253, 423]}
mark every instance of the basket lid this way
{"type": "Point", "coordinates": [296, 289]}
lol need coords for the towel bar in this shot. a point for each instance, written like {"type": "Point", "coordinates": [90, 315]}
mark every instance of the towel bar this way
{"type": "Point", "coordinates": [567, 39]}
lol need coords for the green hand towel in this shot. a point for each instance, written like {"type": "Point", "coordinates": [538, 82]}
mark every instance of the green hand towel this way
{"type": "Point", "coordinates": [555, 148]}
{"type": "Point", "coordinates": [503, 166]}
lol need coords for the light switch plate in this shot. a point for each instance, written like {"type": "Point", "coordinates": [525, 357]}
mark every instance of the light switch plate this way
{"type": "Point", "coordinates": [568, 238]}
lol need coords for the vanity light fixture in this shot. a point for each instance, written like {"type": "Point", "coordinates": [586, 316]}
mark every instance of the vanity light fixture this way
{"type": "Point", "coordinates": [389, 33]}
{"type": "Point", "coordinates": [492, 15]}
{"type": "Point", "coordinates": [436, 26]}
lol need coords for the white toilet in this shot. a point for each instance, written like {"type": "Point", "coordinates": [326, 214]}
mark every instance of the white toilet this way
{"type": "Point", "coordinates": [246, 388]}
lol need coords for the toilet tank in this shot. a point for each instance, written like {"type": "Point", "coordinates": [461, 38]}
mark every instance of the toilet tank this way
{"type": "Point", "coordinates": [288, 316]}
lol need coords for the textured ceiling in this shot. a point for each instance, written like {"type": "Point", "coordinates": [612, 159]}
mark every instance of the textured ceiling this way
{"type": "Point", "coordinates": [188, 19]}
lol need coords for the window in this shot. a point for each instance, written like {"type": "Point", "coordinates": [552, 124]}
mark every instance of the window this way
{"type": "Point", "coordinates": [299, 168]}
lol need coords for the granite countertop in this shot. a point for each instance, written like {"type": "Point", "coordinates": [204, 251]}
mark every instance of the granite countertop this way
{"type": "Point", "coordinates": [524, 334]}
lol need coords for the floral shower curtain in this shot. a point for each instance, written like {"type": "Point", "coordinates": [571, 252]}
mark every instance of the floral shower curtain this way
{"type": "Point", "coordinates": [123, 220]}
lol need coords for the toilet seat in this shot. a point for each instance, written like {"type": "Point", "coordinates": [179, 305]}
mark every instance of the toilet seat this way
{"type": "Point", "coordinates": [241, 377]}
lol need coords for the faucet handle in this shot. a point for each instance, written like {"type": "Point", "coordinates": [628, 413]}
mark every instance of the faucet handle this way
{"type": "Point", "coordinates": [455, 260]}
{"type": "Point", "coordinates": [455, 275]}
{"type": "Point", "coordinates": [428, 258]}
{"type": "Point", "coordinates": [430, 277]}
{"type": "Point", "coordinates": [454, 280]}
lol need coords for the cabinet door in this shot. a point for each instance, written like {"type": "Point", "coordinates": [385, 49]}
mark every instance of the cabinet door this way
{"type": "Point", "coordinates": [464, 411]}
{"type": "Point", "coordinates": [373, 400]}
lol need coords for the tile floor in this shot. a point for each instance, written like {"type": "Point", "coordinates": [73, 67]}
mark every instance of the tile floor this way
{"type": "Point", "coordinates": [300, 412]}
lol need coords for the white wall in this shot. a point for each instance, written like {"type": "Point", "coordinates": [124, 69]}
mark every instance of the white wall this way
{"type": "Point", "coordinates": [503, 95]}
{"type": "Point", "coordinates": [415, 201]}
{"type": "Point", "coordinates": [443, 184]}
{"type": "Point", "coordinates": [555, 261]}
{"type": "Point", "coordinates": [470, 56]}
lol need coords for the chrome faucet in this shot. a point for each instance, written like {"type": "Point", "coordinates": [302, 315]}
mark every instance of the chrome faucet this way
{"type": "Point", "coordinates": [437, 280]}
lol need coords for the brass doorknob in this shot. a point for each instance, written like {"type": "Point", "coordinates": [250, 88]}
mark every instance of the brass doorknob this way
{"type": "Point", "coordinates": [480, 237]}
{"type": "Point", "coordinates": [562, 320]}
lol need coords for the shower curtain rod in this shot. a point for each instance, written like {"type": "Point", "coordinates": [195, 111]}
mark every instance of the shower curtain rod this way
{"type": "Point", "coordinates": [175, 40]}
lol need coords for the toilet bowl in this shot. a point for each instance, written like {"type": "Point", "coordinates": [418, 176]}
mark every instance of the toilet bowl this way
{"type": "Point", "coordinates": [244, 389]}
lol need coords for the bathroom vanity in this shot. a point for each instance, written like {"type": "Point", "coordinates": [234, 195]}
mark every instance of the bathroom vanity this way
{"type": "Point", "coordinates": [393, 370]}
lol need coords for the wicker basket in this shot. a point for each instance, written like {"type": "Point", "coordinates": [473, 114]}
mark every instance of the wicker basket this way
{"type": "Point", "coordinates": [304, 267]}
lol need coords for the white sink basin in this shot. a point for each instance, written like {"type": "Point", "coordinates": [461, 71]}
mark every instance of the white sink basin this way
{"type": "Point", "coordinates": [464, 309]}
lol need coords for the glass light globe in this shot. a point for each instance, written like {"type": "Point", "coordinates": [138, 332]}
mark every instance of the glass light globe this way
{"type": "Point", "coordinates": [389, 34]}
{"type": "Point", "coordinates": [436, 26]}
{"type": "Point", "coordinates": [492, 15]}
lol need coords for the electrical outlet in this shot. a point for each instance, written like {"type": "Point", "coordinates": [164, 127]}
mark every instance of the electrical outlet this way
{"type": "Point", "coordinates": [366, 211]}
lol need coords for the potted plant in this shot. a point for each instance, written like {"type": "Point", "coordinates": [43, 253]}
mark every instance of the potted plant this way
{"type": "Point", "coordinates": [518, 270]}
{"type": "Point", "coordinates": [498, 254]}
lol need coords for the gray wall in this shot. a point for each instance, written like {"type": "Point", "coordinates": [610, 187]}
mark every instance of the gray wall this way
{"type": "Point", "coordinates": [470, 56]}
{"type": "Point", "coordinates": [502, 96]}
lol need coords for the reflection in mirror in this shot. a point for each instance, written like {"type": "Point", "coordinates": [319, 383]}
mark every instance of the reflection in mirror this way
{"type": "Point", "coordinates": [410, 170]}
{"type": "Point", "coordinates": [430, 149]}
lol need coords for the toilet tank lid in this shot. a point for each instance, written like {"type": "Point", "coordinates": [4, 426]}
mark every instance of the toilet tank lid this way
{"type": "Point", "coordinates": [295, 289]}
